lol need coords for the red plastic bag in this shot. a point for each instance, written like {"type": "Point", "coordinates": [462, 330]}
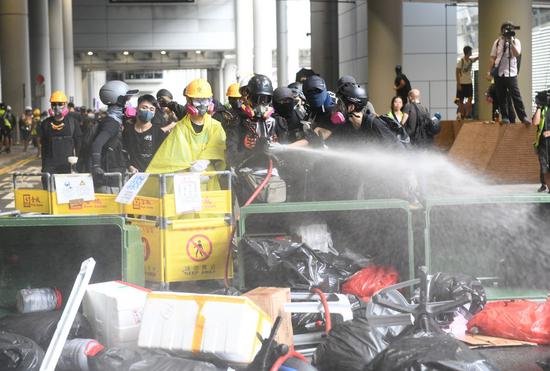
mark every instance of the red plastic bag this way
{"type": "Point", "coordinates": [369, 280]}
{"type": "Point", "coordinates": [515, 319]}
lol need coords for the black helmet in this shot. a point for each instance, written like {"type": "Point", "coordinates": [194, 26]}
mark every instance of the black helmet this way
{"type": "Point", "coordinates": [314, 84]}
{"type": "Point", "coordinates": [164, 93]}
{"type": "Point", "coordinates": [260, 85]}
{"type": "Point", "coordinates": [282, 93]}
{"type": "Point", "coordinates": [346, 79]}
{"type": "Point", "coordinates": [354, 94]}
{"type": "Point", "coordinates": [296, 88]}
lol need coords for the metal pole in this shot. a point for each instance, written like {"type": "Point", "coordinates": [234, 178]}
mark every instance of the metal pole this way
{"type": "Point", "coordinates": [282, 43]}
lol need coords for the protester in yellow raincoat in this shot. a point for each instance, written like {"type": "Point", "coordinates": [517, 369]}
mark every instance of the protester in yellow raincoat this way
{"type": "Point", "coordinates": [197, 142]}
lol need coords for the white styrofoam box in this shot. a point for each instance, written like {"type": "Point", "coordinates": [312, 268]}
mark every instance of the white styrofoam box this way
{"type": "Point", "coordinates": [114, 310]}
{"type": "Point", "coordinates": [206, 326]}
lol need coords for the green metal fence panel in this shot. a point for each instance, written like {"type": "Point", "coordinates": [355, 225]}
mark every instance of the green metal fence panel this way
{"type": "Point", "coordinates": [45, 251]}
{"type": "Point", "coordinates": [479, 203]}
{"type": "Point", "coordinates": [326, 206]}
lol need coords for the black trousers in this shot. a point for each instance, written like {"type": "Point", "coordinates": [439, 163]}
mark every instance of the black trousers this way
{"type": "Point", "coordinates": [508, 86]}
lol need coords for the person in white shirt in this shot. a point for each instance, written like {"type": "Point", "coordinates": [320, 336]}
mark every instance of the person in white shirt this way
{"type": "Point", "coordinates": [464, 84]}
{"type": "Point", "coordinates": [504, 68]}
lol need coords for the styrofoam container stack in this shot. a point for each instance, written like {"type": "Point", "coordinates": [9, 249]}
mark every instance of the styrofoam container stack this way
{"type": "Point", "coordinates": [114, 310]}
{"type": "Point", "coordinates": [204, 326]}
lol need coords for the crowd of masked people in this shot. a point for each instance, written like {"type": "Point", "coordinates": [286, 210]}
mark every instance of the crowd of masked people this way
{"type": "Point", "coordinates": [258, 130]}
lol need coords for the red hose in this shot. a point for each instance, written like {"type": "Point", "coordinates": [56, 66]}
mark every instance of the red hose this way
{"type": "Point", "coordinates": [328, 321]}
{"type": "Point", "coordinates": [248, 202]}
{"type": "Point", "coordinates": [262, 184]}
{"type": "Point", "coordinates": [284, 358]}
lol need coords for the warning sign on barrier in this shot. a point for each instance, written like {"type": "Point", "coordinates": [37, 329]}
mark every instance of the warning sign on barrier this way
{"type": "Point", "coordinates": [199, 248]}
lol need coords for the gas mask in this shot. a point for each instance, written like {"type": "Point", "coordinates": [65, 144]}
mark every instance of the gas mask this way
{"type": "Point", "coordinates": [200, 106]}
{"type": "Point", "coordinates": [261, 108]}
{"type": "Point", "coordinates": [340, 114]}
{"type": "Point", "coordinates": [58, 110]}
{"type": "Point", "coordinates": [234, 103]}
{"type": "Point", "coordinates": [145, 115]}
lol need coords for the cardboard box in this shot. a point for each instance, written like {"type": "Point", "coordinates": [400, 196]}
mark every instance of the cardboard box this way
{"type": "Point", "coordinates": [481, 341]}
{"type": "Point", "coordinates": [271, 300]}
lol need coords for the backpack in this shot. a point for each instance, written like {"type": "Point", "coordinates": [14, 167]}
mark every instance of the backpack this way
{"type": "Point", "coordinates": [425, 128]}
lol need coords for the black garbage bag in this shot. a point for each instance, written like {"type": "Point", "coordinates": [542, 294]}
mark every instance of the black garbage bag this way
{"type": "Point", "coordinates": [350, 346]}
{"type": "Point", "coordinates": [117, 359]}
{"type": "Point", "coordinates": [429, 352]}
{"type": "Point", "coordinates": [446, 286]}
{"type": "Point", "coordinates": [40, 326]}
{"type": "Point", "coordinates": [19, 353]}
{"type": "Point", "coordinates": [167, 363]}
{"type": "Point", "coordinates": [283, 263]}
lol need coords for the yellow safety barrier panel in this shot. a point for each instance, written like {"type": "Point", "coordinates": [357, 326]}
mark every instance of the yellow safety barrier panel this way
{"type": "Point", "coordinates": [184, 247]}
{"type": "Point", "coordinates": [32, 200]}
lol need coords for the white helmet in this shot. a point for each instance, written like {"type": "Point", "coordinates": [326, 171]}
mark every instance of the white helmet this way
{"type": "Point", "coordinates": [116, 92]}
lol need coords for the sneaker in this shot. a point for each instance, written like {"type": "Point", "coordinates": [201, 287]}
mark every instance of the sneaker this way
{"type": "Point", "coordinates": [542, 188]}
{"type": "Point", "coordinates": [505, 121]}
{"type": "Point", "coordinates": [526, 121]}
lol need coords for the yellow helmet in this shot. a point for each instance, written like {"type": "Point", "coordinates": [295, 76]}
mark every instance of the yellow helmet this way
{"type": "Point", "coordinates": [198, 88]}
{"type": "Point", "coordinates": [233, 90]}
{"type": "Point", "coordinates": [36, 112]}
{"type": "Point", "coordinates": [58, 97]}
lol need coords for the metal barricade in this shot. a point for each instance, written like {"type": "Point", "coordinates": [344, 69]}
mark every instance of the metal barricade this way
{"type": "Point", "coordinates": [326, 206]}
{"type": "Point", "coordinates": [458, 251]}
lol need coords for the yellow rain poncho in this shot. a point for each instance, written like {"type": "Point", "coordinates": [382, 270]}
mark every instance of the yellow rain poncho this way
{"type": "Point", "coordinates": [181, 148]}
{"type": "Point", "coordinates": [184, 146]}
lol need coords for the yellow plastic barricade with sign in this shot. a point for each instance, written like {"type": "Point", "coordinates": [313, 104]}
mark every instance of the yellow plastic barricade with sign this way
{"type": "Point", "coordinates": [102, 204]}
{"type": "Point", "coordinates": [189, 246]}
{"type": "Point", "coordinates": [32, 200]}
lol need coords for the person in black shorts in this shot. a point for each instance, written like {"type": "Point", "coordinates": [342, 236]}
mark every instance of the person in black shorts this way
{"type": "Point", "coordinates": [464, 86]}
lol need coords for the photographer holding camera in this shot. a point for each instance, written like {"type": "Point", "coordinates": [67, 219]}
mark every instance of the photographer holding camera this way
{"type": "Point", "coordinates": [542, 141]}
{"type": "Point", "coordinates": [504, 68]}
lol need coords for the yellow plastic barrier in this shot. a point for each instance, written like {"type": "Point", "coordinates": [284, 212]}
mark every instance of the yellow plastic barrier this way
{"type": "Point", "coordinates": [185, 247]}
{"type": "Point", "coordinates": [196, 249]}
{"type": "Point", "coordinates": [104, 204]}
{"type": "Point", "coordinates": [32, 201]}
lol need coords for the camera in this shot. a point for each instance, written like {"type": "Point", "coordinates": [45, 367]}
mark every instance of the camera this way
{"type": "Point", "coordinates": [542, 99]}
{"type": "Point", "coordinates": [509, 30]}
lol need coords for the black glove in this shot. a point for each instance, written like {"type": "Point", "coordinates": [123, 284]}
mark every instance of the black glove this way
{"type": "Point", "coordinates": [96, 165]}
{"type": "Point", "coordinates": [314, 140]}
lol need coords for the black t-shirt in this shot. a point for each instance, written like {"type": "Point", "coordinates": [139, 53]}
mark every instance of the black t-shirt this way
{"type": "Point", "coordinates": [59, 140]}
{"type": "Point", "coordinates": [141, 147]}
{"type": "Point", "coordinates": [404, 91]}
{"type": "Point", "coordinates": [373, 131]}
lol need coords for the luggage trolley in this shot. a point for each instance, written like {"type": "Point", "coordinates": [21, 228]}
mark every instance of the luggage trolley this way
{"type": "Point", "coordinates": [183, 247]}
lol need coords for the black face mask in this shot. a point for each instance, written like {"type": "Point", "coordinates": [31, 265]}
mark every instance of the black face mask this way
{"type": "Point", "coordinates": [235, 104]}
{"type": "Point", "coordinates": [284, 109]}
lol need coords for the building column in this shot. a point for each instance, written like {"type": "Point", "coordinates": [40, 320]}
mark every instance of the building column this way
{"type": "Point", "coordinates": [78, 86]}
{"type": "Point", "coordinates": [244, 37]}
{"type": "Point", "coordinates": [39, 37]}
{"type": "Point", "coordinates": [385, 48]}
{"type": "Point", "coordinates": [492, 13]}
{"type": "Point", "coordinates": [68, 49]}
{"type": "Point", "coordinates": [263, 59]}
{"type": "Point", "coordinates": [14, 56]}
{"type": "Point", "coordinates": [213, 77]}
{"type": "Point", "coordinates": [282, 43]}
{"type": "Point", "coordinates": [57, 55]}
{"type": "Point", "coordinates": [324, 40]}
